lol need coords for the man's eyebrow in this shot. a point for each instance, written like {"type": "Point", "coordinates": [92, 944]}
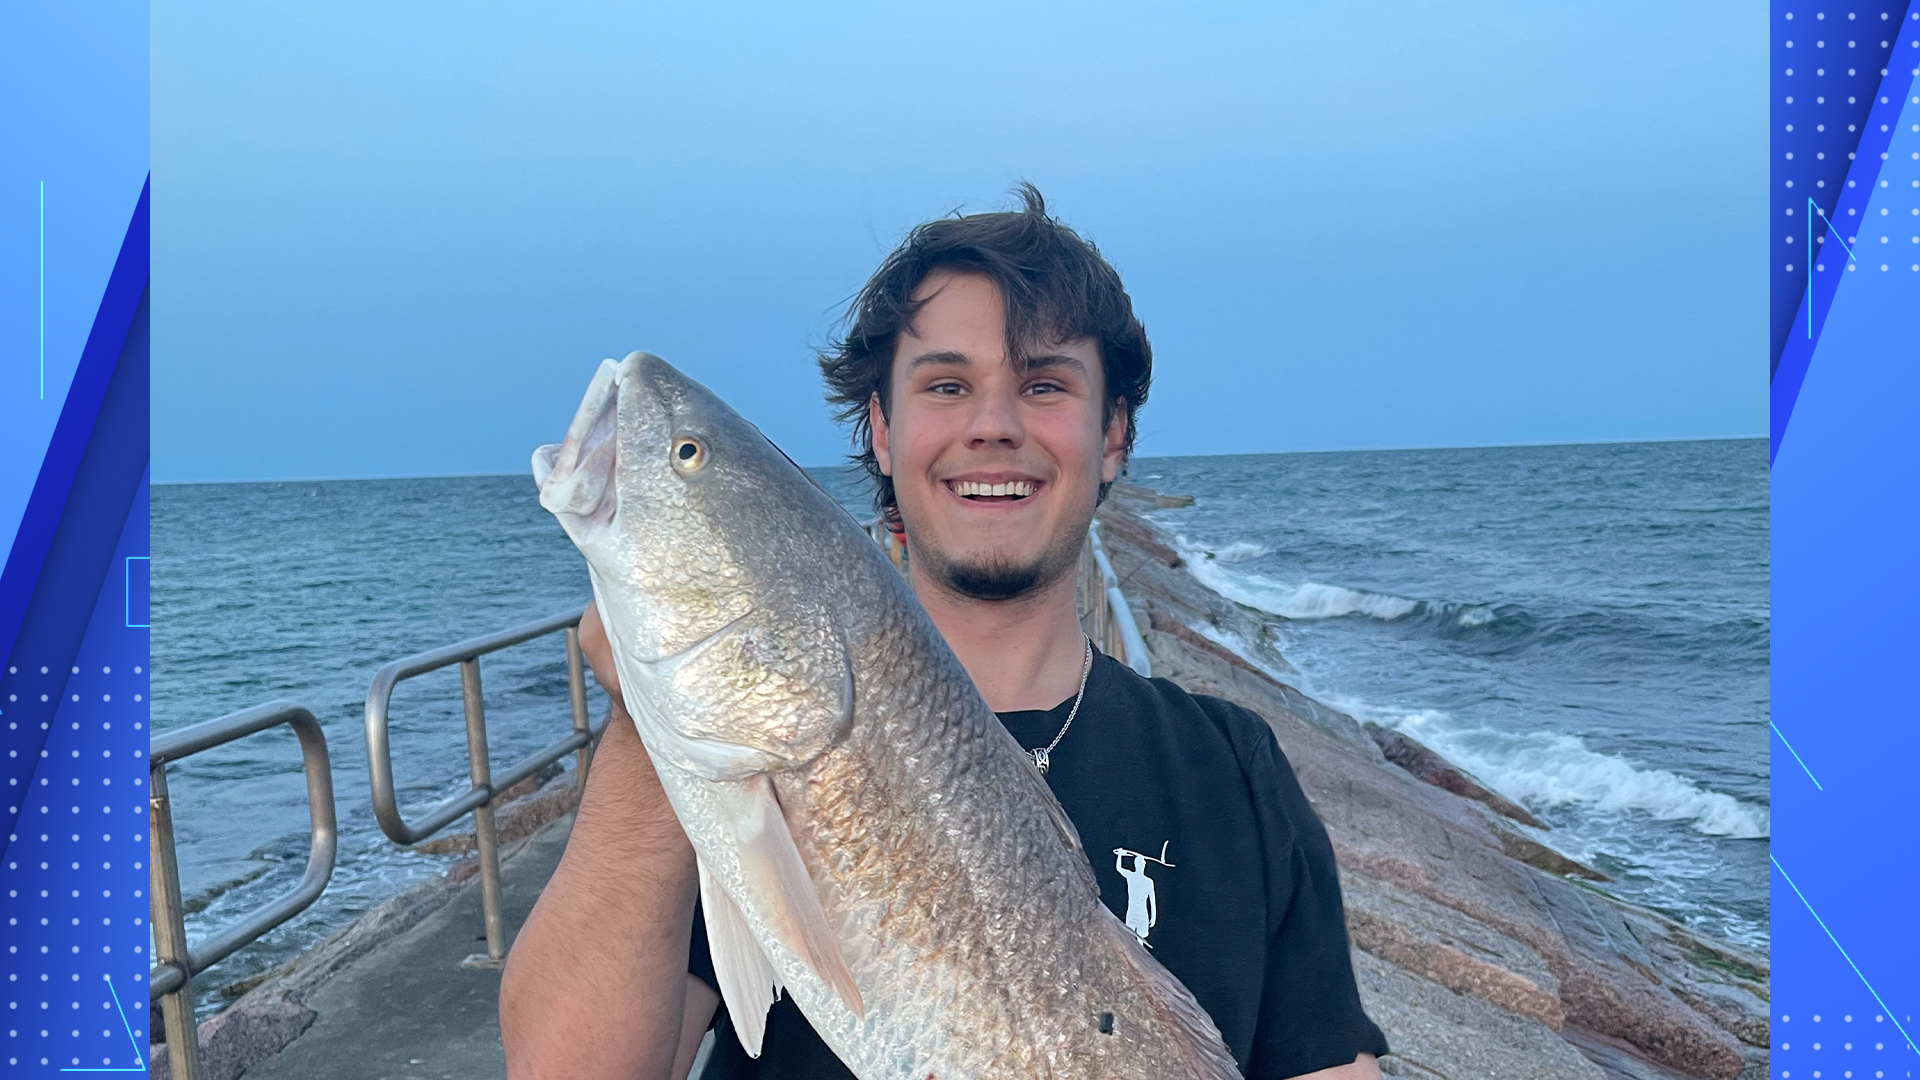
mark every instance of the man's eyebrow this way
{"type": "Point", "coordinates": [1055, 360]}
{"type": "Point", "coordinates": [943, 358]}
{"type": "Point", "coordinates": [951, 358]}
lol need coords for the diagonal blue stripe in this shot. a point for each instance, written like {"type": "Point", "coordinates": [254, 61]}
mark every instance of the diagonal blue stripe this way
{"type": "Point", "coordinates": [98, 361]}
{"type": "Point", "coordinates": [1795, 753]}
{"type": "Point", "coordinates": [138, 1058]}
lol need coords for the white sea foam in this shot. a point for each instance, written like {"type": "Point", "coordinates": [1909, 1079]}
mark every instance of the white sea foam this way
{"type": "Point", "coordinates": [1316, 601]}
{"type": "Point", "coordinates": [1550, 769]}
{"type": "Point", "coordinates": [1476, 615]}
{"type": "Point", "coordinates": [1240, 551]}
{"type": "Point", "coordinates": [1311, 600]}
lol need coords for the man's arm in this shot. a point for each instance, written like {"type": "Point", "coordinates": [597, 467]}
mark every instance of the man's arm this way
{"type": "Point", "coordinates": [596, 984]}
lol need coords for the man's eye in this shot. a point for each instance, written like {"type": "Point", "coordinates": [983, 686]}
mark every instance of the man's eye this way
{"type": "Point", "coordinates": [947, 388]}
{"type": "Point", "coordinates": [1045, 388]}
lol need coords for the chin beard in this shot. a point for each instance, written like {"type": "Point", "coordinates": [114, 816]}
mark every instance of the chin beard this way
{"type": "Point", "coordinates": [1002, 579]}
{"type": "Point", "coordinates": [994, 581]}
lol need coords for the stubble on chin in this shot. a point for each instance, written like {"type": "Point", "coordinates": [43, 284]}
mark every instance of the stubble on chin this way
{"type": "Point", "coordinates": [1001, 579]}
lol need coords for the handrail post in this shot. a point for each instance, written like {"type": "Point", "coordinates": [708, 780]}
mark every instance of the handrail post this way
{"type": "Point", "coordinates": [577, 697]}
{"type": "Point", "coordinates": [484, 839]}
{"type": "Point", "coordinates": [170, 933]}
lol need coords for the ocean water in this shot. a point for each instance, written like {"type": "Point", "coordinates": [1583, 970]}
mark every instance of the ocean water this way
{"type": "Point", "coordinates": [1584, 628]}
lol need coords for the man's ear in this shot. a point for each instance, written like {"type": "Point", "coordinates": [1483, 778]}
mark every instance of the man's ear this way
{"type": "Point", "coordinates": [877, 422]}
{"type": "Point", "coordinates": [1114, 454]}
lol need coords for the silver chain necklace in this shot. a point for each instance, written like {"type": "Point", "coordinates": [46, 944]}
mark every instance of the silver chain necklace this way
{"type": "Point", "coordinates": [1039, 755]}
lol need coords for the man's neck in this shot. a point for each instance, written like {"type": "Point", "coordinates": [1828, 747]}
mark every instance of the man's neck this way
{"type": "Point", "coordinates": [1022, 654]}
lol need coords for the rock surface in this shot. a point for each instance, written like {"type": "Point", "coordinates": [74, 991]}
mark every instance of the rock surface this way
{"type": "Point", "coordinates": [232, 1042]}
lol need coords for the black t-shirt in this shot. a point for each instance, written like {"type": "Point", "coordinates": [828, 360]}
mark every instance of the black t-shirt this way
{"type": "Point", "coordinates": [1222, 863]}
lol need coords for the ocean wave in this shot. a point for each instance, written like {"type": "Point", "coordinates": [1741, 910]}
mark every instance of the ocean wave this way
{"type": "Point", "coordinates": [1541, 769]}
{"type": "Point", "coordinates": [1309, 601]}
{"type": "Point", "coordinates": [1472, 615]}
{"type": "Point", "coordinates": [1238, 551]}
{"type": "Point", "coordinates": [1317, 600]}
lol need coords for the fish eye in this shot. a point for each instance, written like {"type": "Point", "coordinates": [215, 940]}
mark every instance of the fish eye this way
{"type": "Point", "coordinates": [689, 455]}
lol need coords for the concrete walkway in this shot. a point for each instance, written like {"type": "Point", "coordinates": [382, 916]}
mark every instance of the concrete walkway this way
{"type": "Point", "coordinates": [409, 1010]}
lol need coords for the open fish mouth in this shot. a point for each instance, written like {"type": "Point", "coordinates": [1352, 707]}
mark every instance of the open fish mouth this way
{"type": "Point", "coordinates": [576, 476]}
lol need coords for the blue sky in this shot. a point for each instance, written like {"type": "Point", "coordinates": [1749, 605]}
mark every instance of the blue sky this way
{"type": "Point", "coordinates": [395, 240]}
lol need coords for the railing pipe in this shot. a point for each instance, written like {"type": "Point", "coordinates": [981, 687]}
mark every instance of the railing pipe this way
{"type": "Point", "coordinates": [484, 786]}
{"type": "Point", "coordinates": [1133, 645]}
{"type": "Point", "coordinates": [480, 769]}
{"type": "Point", "coordinates": [171, 979]}
{"type": "Point", "coordinates": [577, 698]}
{"type": "Point", "coordinates": [386, 806]}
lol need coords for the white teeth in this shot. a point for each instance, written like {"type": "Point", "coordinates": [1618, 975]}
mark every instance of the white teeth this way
{"type": "Point", "coordinates": [1021, 488]}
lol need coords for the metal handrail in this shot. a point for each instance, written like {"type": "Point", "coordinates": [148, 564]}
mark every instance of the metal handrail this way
{"type": "Point", "coordinates": [1117, 616]}
{"type": "Point", "coordinates": [172, 978]}
{"type": "Point", "coordinates": [484, 786]}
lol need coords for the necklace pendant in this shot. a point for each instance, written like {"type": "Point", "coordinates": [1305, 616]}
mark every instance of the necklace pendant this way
{"type": "Point", "coordinates": [1040, 760]}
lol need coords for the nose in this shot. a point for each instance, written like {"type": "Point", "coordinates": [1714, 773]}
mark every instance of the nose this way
{"type": "Point", "coordinates": [994, 421]}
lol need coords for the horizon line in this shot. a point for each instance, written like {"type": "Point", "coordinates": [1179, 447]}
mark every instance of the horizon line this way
{"type": "Point", "coordinates": [1137, 457]}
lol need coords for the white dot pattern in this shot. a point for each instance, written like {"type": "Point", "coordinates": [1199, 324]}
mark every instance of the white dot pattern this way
{"type": "Point", "coordinates": [1824, 125]}
{"type": "Point", "coordinates": [73, 876]}
{"type": "Point", "coordinates": [1846, 1046]}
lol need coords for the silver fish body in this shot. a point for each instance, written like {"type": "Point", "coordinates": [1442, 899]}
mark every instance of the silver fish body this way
{"type": "Point", "coordinates": [869, 836]}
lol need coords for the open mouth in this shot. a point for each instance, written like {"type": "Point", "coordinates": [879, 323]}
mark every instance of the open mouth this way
{"type": "Point", "coordinates": [1011, 491]}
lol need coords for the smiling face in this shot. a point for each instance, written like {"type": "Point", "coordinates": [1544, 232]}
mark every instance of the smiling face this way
{"type": "Point", "coordinates": [996, 469]}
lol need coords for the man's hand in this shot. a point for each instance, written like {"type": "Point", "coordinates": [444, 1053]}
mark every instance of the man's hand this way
{"type": "Point", "coordinates": [596, 985]}
{"type": "Point", "coordinates": [599, 653]}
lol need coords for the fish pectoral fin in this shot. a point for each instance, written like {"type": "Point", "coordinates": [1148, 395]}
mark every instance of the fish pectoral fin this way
{"type": "Point", "coordinates": [781, 888]}
{"type": "Point", "coordinates": [748, 983]}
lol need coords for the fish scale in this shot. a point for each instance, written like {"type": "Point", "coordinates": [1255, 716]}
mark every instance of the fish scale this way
{"type": "Point", "coordinates": [870, 837]}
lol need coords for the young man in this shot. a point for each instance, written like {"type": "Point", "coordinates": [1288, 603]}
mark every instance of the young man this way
{"type": "Point", "coordinates": [992, 371]}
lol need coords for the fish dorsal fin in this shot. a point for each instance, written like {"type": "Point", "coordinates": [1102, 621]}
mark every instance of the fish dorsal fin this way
{"type": "Point", "coordinates": [748, 983]}
{"type": "Point", "coordinates": [779, 888]}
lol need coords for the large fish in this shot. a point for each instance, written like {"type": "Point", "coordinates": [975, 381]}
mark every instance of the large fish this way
{"type": "Point", "coordinates": [869, 836]}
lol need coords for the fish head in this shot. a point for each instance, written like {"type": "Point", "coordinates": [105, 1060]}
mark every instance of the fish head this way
{"type": "Point", "coordinates": [703, 542]}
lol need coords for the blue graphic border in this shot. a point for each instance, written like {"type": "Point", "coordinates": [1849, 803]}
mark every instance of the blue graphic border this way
{"type": "Point", "coordinates": [74, 401]}
{"type": "Point", "coordinates": [1845, 244]}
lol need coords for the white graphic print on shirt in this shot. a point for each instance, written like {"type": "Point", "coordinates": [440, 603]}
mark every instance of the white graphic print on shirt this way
{"type": "Point", "coordinates": [1143, 907]}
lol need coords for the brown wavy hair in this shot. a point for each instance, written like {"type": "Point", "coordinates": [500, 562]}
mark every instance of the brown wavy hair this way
{"type": "Point", "coordinates": [1056, 285]}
